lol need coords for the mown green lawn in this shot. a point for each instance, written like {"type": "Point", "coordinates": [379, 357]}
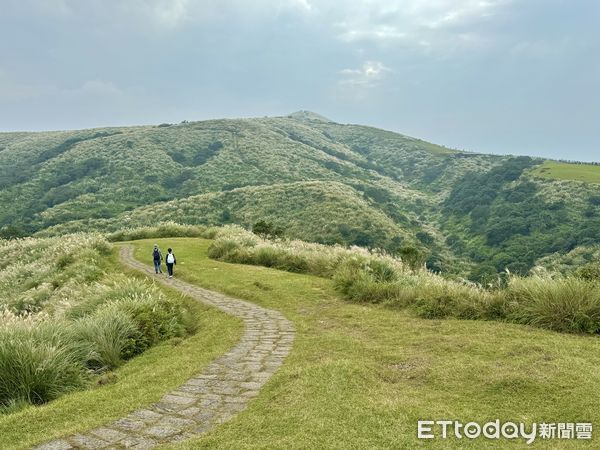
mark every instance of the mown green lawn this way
{"type": "Point", "coordinates": [563, 171]}
{"type": "Point", "coordinates": [360, 376]}
{"type": "Point", "coordinates": [140, 382]}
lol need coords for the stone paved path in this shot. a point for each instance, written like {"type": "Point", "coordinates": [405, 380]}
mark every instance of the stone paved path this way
{"type": "Point", "coordinates": [212, 397]}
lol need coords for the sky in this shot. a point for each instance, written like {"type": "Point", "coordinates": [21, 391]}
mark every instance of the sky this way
{"type": "Point", "coordinates": [493, 76]}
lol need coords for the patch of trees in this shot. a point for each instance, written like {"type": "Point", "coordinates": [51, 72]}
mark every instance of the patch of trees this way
{"type": "Point", "coordinates": [12, 232]}
{"type": "Point", "coordinates": [266, 229]}
{"type": "Point", "coordinates": [11, 175]}
{"type": "Point", "coordinates": [375, 193]}
{"type": "Point", "coordinates": [594, 200]}
{"type": "Point", "coordinates": [518, 225]}
{"type": "Point", "coordinates": [432, 173]}
{"type": "Point", "coordinates": [425, 237]}
{"type": "Point", "coordinates": [481, 189]}
{"type": "Point", "coordinates": [198, 156]}
{"type": "Point", "coordinates": [76, 171]}
{"type": "Point", "coordinates": [174, 182]}
{"type": "Point", "coordinates": [68, 144]}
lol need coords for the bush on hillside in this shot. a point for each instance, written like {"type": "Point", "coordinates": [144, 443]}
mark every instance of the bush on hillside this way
{"type": "Point", "coordinates": [266, 229]}
{"type": "Point", "coordinates": [567, 304]}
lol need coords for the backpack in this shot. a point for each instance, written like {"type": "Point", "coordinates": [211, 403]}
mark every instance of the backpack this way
{"type": "Point", "coordinates": [156, 255]}
{"type": "Point", "coordinates": [170, 258]}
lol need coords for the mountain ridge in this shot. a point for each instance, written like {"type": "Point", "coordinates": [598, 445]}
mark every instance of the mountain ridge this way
{"type": "Point", "coordinates": [465, 213]}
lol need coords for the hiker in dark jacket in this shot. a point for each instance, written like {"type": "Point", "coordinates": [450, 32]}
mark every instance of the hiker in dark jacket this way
{"type": "Point", "coordinates": [171, 261]}
{"type": "Point", "coordinates": [157, 258]}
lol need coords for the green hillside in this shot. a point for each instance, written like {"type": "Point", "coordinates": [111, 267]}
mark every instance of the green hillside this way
{"type": "Point", "coordinates": [465, 214]}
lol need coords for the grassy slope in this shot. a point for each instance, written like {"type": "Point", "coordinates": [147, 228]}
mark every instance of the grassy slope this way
{"type": "Point", "coordinates": [562, 171]}
{"type": "Point", "coordinates": [361, 376]}
{"type": "Point", "coordinates": [311, 210]}
{"type": "Point", "coordinates": [100, 173]}
{"type": "Point", "coordinates": [140, 382]}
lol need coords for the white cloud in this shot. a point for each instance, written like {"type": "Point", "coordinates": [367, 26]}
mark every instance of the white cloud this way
{"type": "Point", "coordinates": [369, 75]}
{"type": "Point", "coordinates": [376, 33]}
{"type": "Point", "coordinates": [171, 13]}
{"type": "Point", "coordinates": [302, 4]}
{"type": "Point", "coordinates": [421, 24]}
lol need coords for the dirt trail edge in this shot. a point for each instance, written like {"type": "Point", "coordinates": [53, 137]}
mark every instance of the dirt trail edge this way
{"type": "Point", "coordinates": [212, 397]}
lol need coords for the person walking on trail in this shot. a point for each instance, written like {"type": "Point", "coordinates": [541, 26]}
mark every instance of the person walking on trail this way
{"type": "Point", "coordinates": [157, 257]}
{"type": "Point", "coordinates": [171, 261]}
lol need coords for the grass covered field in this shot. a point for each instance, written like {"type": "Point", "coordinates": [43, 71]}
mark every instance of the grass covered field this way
{"type": "Point", "coordinates": [360, 376]}
{"type": "Point", "coordinates": [563, 171]}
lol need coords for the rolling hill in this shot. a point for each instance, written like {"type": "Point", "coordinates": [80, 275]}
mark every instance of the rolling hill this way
{"type": "Point", "coordinates": [467, 214]}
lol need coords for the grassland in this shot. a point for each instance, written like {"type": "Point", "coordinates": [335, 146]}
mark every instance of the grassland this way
{"type": "Point", "coordinates": [360, 376]}
{"type": "Point", "coordinates": [565, 171]}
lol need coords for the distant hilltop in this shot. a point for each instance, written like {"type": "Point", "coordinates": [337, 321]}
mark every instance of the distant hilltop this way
{"type": "Point", "coordinates": [308, 115]}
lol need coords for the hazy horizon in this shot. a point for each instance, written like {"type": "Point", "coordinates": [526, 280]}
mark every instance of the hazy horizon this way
{"type": "Point", "coordinates": [495, 76]}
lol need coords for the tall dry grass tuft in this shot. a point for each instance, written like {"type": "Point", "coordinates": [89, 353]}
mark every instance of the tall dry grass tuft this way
{"type": "Point", "coordinates": [567, 304]}
{"type": "Point", "coordinates": [39, 362]}
{"type": "Point", "coordinates": [108, 333]}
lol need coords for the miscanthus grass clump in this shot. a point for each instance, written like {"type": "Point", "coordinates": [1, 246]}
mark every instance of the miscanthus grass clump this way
{"type": "Point", "coordinates": [35, 272]}
{"type": "Point", "coordinates": [560, 303]}
{"type": "Point", "coordinates": [65, 317]}
{"type": "Point", "coordinates": [553, 301]}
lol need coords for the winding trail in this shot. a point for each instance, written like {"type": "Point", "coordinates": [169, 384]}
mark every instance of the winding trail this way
{"type": "Point", "coordinates": [212, 397]}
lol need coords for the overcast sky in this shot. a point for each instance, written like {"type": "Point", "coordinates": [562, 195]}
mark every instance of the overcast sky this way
{"type": "Point", "coordinates": [496, 76]}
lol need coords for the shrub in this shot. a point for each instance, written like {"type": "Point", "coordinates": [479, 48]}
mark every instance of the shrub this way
{"type": "Point", "coordinates": [382, 271]}
{"type": "Point", "coordinates": [266, 229]}
{"type": "Point", "coordinates": [590, 271]}
{"type": "Point", "coordinates": [108, 332]}
{"type": "Point", "coordinates": [39, 362]}
{"type": "Point", "coordinates": [436, 300]}
{"type": "Point", "coordinates": [567, 304]}
{"type": "Point", "coordinates": [224, 249]}
{"type": "Point", "coordinates": [111, 289]}
{"type": "Point", "coordinates": [156, 319]}
{"type": "Point", "coordinates": [269, 257]}
{"type": "Point", "coordinates": [368, 281]}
